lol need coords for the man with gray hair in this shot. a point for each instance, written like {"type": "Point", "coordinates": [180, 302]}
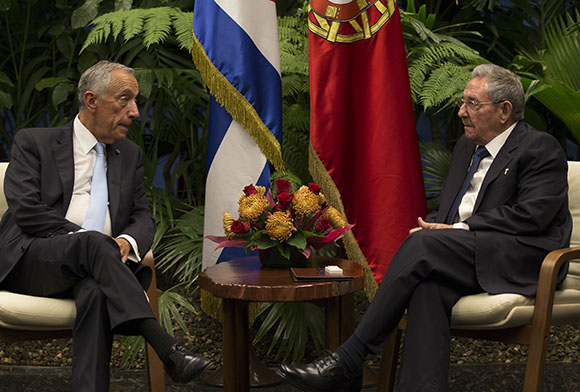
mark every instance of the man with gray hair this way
{"type": "Point", "coordinates": [503, 207]}
{"type": "Point", "coordinates": [78, 223]}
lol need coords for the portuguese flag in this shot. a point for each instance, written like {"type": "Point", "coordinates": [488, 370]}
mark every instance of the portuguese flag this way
{"type": "Point", "coordinates": [364, 149]}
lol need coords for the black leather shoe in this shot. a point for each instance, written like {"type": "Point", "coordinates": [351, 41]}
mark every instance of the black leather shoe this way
{"type": "Point", "coordinates": [326, 374]}
{"type": "Point", "coordinates": [183, 366]}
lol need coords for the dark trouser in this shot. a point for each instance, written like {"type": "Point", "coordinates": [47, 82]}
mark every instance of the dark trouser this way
{"type": "Point", "coordinates": [108, 296]}
{"type": "Point", "coordinates": [429, 273]}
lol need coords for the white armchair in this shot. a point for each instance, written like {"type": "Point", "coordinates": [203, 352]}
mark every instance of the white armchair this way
{"type": "Point", "coordinates": [513, 318]}
{"type": "Point", "coordinates": [24, 317]}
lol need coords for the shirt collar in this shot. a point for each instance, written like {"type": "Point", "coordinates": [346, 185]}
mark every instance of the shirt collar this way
{"type": "Point", "coordinates": [495, 144]}
{"type": "Point", "coordinates": [85, 138]}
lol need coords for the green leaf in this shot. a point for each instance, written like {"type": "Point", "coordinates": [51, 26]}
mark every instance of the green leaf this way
{"type": "Point", "coordinates": [5, 100]}
{"type": "Point", "coordinates": [49, 82]}
{"type": "Point", "coordinates": [5, 80]}
{"type": "Point", "coordinates": [61, 92]}
{"type": "Point", "coordinates": [297, 240]}
{"type": "Point", "coordinates": [83, 15]}
{"type": "Point", "coordinates": [122, 5]}
{"type": "Point", "coordinates": [284, 251]}
{"type": "Point", "coordinates": [65, 45]}
{"type": "Point", "coordinates": [145, 77]}
{"type": "Point", "coordinates": [263, 241]}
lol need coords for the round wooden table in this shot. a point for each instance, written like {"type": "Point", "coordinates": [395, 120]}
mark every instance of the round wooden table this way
{"type": "Point", "coordinates": [239, 282]}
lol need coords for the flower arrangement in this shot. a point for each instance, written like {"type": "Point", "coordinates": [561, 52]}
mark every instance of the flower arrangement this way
{"type": "Point", "coordinates": [300, 219]}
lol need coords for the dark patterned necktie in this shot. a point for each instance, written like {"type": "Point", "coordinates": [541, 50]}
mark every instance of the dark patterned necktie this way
{"type": "Point", "coordinates": [480, 153]}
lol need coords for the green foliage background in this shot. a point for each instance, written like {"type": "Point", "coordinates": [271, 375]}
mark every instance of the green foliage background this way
{"type": "Point", "coordinates": [46, 45]}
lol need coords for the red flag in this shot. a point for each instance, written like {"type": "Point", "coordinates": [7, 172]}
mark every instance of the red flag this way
{"type": "Point", "coordinates": [364, 144]}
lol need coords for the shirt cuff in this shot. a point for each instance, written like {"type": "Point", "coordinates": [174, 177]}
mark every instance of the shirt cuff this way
{"type": "Point", "coordinates": [461, 225]}
{"type": "Point", "coordinates": [134, 255]}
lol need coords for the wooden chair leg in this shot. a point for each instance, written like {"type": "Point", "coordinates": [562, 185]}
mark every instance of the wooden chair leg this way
{"type": "Point", "coordinates": [389, 359]}
{"type": "Point", "coordinates": [155, 369]}
{"type": "Point", "coordinates": [536, 358]}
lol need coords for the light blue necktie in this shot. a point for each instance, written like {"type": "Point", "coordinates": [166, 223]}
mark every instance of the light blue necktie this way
{"type": "Point", "coordinates": [97, 212]}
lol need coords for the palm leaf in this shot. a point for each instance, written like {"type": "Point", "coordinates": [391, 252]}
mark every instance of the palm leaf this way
{"type": "Point", "coordinates": [562, 58]}
{"type": "Point", "coordinates": [295, 325]}
{"type": "Point", "coordinates": [435, 160]}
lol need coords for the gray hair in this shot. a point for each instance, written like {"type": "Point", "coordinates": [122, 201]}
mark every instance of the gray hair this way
{"type": "Point", "coordinates": [97, 78]}
{"type": "Point", "coordinates": [504, 85]}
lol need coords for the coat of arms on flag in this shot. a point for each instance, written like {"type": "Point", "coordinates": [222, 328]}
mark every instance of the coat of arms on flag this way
{"type": "Point", "coordinates": [346, 21]}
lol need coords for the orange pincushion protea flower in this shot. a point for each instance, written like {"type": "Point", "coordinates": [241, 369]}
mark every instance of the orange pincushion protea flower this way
{"type": "Point", "coordinates": [305, 202]}
{"type": "Point", "coordinates": [228, 221]}
{"type": "Point", "coordinates": [280, 226]}
{"type": "Point", "coordinates": [252, 207]}
{"type": "Point", "coordinates": [336, 219]}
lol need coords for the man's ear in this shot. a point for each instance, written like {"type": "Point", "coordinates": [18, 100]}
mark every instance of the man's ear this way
{"type": "Point", "coordinates": [506, 111]}
{"type": "Point", "coordinates": [90, 100]}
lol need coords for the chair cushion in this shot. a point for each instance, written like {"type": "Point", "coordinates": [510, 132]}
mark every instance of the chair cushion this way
{"type": "Point", "coordinates": [484, 308]}
{"type": "Point", "coordinates": [485, 311]}
{"type": "Point", "coordinates": [25, 312]}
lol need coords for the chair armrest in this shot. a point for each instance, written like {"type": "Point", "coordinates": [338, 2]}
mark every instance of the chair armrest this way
{"type": "Point", "coordinates": [551, 265]}
{"type": "Point", "coordinates": [547, 285]}
{"type": "Point", "coordinates": [152, 290]}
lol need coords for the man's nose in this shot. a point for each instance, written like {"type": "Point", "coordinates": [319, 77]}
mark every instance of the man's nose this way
{"type": "Point", "coordinates": [133, 111]}
{"type": "Point", "coordinates": [462, 111]}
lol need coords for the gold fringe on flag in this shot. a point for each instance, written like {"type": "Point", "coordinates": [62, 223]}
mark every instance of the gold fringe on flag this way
{"type": "Point", "coordinates": [322, 178]}
{"type": "Point", "coordinates": [237, 106]}
{"type": "Point", "coordinates": [243, 112]}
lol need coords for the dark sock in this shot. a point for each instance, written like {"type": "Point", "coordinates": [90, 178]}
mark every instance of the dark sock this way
{"type": "Point", "coordinates": [353, 353]}
{"type": "Point", "coordinates": [157, 337]}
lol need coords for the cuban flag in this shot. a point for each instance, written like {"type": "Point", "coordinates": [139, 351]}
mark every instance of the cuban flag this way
{"type": "Point", "coordinates": [236, 51]}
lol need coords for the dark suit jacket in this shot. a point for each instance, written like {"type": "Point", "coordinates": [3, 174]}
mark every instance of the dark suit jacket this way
{"type": "Point", "coordinates": [521, 212]}
{"type": "Point", "coordinates": [39, 183]}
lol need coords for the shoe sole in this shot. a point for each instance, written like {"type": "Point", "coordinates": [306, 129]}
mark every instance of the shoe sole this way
{"type": "Point", "coordinates": [307, 388]}
{"type": "Point", "coordinates": [296, 383]}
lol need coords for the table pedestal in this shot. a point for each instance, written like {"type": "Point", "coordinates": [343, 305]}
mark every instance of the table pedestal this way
{"type": "Point", "coordinates": [242, 281]}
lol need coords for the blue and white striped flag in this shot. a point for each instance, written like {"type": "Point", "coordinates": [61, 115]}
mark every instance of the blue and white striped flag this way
{"type": "Point", "coordinates": [236, 50]}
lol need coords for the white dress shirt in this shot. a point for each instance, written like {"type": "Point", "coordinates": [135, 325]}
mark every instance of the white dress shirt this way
{"type": "Point", "coordinates": [84, 161]}
{"type": "Point", "coordinates": [468, 201]}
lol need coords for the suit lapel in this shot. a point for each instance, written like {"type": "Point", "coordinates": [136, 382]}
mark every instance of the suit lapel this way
{"type": "Point", "coordinates": [114, 166]}
{"type": "Point", "coordinates": [500, 162]}
{"type": "Point", "coordinates": [64, 158]}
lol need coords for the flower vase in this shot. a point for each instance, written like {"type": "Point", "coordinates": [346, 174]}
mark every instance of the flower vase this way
{"type": "Point", "coordinates": [272, 258]}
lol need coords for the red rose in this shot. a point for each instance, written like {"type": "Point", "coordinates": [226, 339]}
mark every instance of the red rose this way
{"type": "Point", "coordinates": [250, 190]}
{"type": "Point", "coordinates": [284, 201]}
{"type": "Point", "coordinates": [322, 225]}
{"type": "Point", "coordinates": [240, 227]}
{"type": "Point", "coordinates": [282, 186]}
{"type": "Point", "coordinates": [314, 188]}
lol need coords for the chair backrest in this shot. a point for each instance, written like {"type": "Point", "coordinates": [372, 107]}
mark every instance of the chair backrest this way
{"type": "Point", "coordinates": [3, 204]}
{"type": "Point", "coordinates": [573, 278]}
{"type": "Point", "coordinates": [574, 200]}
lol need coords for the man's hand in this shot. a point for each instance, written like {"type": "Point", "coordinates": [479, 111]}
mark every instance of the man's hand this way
{"type": "Point", "coordinates": [124, 248]}
{"type": "Point", "coordinates": [429, 226]}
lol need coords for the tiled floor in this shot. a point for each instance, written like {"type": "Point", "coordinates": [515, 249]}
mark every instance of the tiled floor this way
{"type": "Point", "coordinates": [561, 377]}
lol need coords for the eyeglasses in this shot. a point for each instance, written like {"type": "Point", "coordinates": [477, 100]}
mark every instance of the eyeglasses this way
{"type": "Point", "coordinates": [473, 105]}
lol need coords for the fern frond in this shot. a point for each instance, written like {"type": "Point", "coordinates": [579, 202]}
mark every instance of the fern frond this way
{"type": "Point", "coordinates": [182, 23]}
{"type": "Point", "coordinates": [133, 24]}
{"type": "Point", "coordinates": [444, 85]}
{"type": "Point", "coordinates": [154, 24]}
{"type": "Point", "coordinates": [157, 27]}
